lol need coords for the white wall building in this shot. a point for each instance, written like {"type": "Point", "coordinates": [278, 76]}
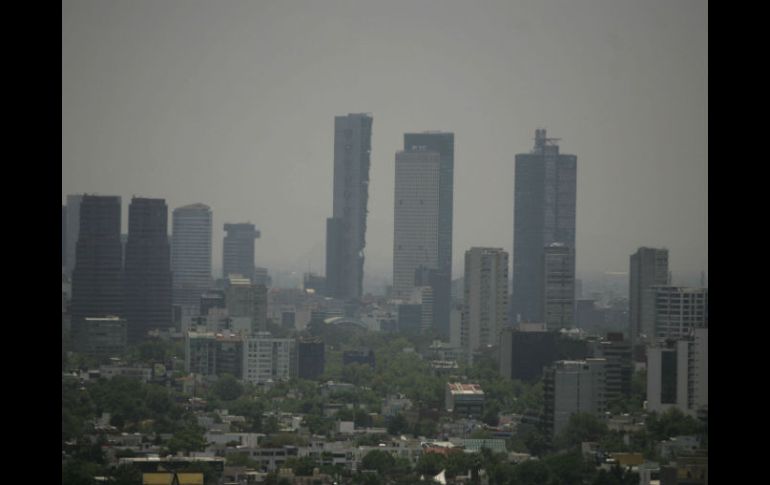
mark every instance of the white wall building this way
{"type": "Point", "coordinates": [266, 358]}
{"type": "Point", "coordinates": [485, 309]}
{"type": "Point", "coordinates": [677, 374]}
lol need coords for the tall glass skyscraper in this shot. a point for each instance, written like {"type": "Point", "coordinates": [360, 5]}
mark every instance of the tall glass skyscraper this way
{"type": "Point", "coordinates": [97, 277]}
{"type": "Point", "coordinates": [444, 144]}
{"type": "Point", "coordinates": [148, 268]}
{"type": "Point", "coordinates": [346, 229]}
{"type": "Point", "coordinates": [544, 213]}
{"type": "Point", "coordinates": [191, 254]}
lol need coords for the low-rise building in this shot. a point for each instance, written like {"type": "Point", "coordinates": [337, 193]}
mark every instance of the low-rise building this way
{"type": "Point", "coordinates": [464, 399]}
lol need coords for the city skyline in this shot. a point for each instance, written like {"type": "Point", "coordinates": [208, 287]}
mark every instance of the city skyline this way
{"type": "Point", "coordinates": [635, 114]}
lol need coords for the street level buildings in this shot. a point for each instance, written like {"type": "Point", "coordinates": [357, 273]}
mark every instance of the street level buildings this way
{"type": "Point", "coordinates": [147, 269]}
{"type": "Point", "coordinates": [346, 229]}
{"type": "Point", "coordinates": [545, 190]}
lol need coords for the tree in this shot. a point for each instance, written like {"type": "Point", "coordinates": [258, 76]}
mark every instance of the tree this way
{"type": "Point", "coordinates": [582, 427]}
{"type": "Point", "coordinates": [397, 425]}
{"type": "Point", "coordinates": [430, 464]}
{"type": "Point", "coordinates": [531, 472]}
{"type": "Point", "coordinates": [378, 460]}
{"type": "Point", "coordinates": [227, 388]}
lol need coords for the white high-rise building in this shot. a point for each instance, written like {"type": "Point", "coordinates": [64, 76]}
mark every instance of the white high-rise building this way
{"type": "Point", "coordinates": [416, 217]}
{"type": "Point", "coordinates": [191, 255]}
{"type": "Point", "coordinates": [677, 374]}
{"type": "Point", "coordinates": [266, 358]}
{"type": "Point", "coordinates": [677, 310]}
{"type": "Point", "coordinates": [485, 308]}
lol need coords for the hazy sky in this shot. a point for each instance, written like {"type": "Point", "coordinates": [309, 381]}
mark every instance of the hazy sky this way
{"type": "Point", "coordinates": [232, 104]}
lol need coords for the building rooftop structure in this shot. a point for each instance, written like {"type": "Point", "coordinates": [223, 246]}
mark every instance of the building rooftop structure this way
{"type": "Point", "coordinates": [462, 388]}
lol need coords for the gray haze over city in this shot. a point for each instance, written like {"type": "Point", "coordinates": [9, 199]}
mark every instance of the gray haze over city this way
{"type": "Point", "coordinates": [232, 104]}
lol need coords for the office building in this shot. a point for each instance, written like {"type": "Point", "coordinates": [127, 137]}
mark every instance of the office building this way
{"type": "Point", "coordinates": [678, 310]}
{"type": "Point", "coordinates": [148, 269]}
{"type": "Point", "coordinates": [443, 144]}
{"type": "Point", "coordinates": [464, 399]}
{"type": "Point", "coordinates": [97, 277]}
{"type": "Point", "coordinates": [310, 358]}
{"type": "Point", "coordinates": [73, 230]}
{"type": "Point", "coordinates": [268, 359]}
{"type": "Point", "coordinates": [544, 213]}
{"type": "Point", "coordinates": [238, 250]}
{"type": "Point", "coordinates": [247, 300]}
{"type": "Point", "coordinates": [572, 387]}
{"type": "Point", "coordinates": [346, 229]}
{"type": "Point", "coordinates": [677, 374]}
{"type": "Point", "coordinates": [526, 350]}
{"type": "Point", "coordinates": [214, 354]}
{"type": "Point", "coordinates": [191, 256]}
{"type": "Point", "coordinates": [102, 336]}
{"type": "Point", "coordinates": [559, 292]}
{"type": "Point", "coordinates": [486, 298]}
{"type": "Point", "coordinates": [416, 217]}
{"type": "Point", "coordinates": [648, 267]}
{"type": "Point", "coordinates": [360, 356]}
{"type": "Point", "coordinates": [619, 368]}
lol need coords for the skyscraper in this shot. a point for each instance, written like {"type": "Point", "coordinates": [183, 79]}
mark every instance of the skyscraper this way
{"type": "Point", "coordinates": [559, 293]}
{"type": "Point", "coordinates": [63, 236]}
{"type": "Point", "coordinates": [444, 144]}
{"type": "Point", "coordinates": [191, 255]}
{"type": "Point", "coordinates": [415, 218]}
{"type": "Point", "coordinates": [97, 278]}
{"type": "Point", "coordinates": [648, 267]}
{"type": "Point", "coordinates": [73, 229]}
{"type": "Point", "coordinates": [544, 213]}
{"type": "Point", "coordinates": [486, 298]}
{"type": "Point", "coordinates": [148, 268]}
{"type": "Point", "coordinates": [346, 229]}
{"type": "Point", "coordinates": [238, 250]}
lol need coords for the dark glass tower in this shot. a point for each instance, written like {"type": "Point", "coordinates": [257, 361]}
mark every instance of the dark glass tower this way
{"type": "Point", "coordinates": [544, 213]}
{"type": "Point", "coordinates": [444, 144]}
{"type": "Point", "coordinates": [346, 229]}
{"type": "Point", "coordinates": [238, 250]}
{"type": "Point", "coordinates": [148, 268]}
{"type": "Point", "coordinates": [97, 278]}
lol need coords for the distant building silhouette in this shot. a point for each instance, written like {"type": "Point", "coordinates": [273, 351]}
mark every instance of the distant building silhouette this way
{"type": "Point", "coordinates": [544, 213]}
{"type": "Point", "coordinates": [73, 229]}
{"type": "Point", "coordinates": [443, 144]}
{"type": "Point", "coordinates": [310, 357]}
{"type": "Point", "coordinates": [97, 278]}
{"type": "Point", "coordinates": [238, 250]}
{"type": "Point", "coordinates": [191, 255]}
{"type": "Point", "coordinates": [63, 237]}
{"type": "Point", "coordinates": [148, 268]}
{"type": "Point", "coordinates": [346, 229]}
{"type": "Point", "coordinates": [648, 267]}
